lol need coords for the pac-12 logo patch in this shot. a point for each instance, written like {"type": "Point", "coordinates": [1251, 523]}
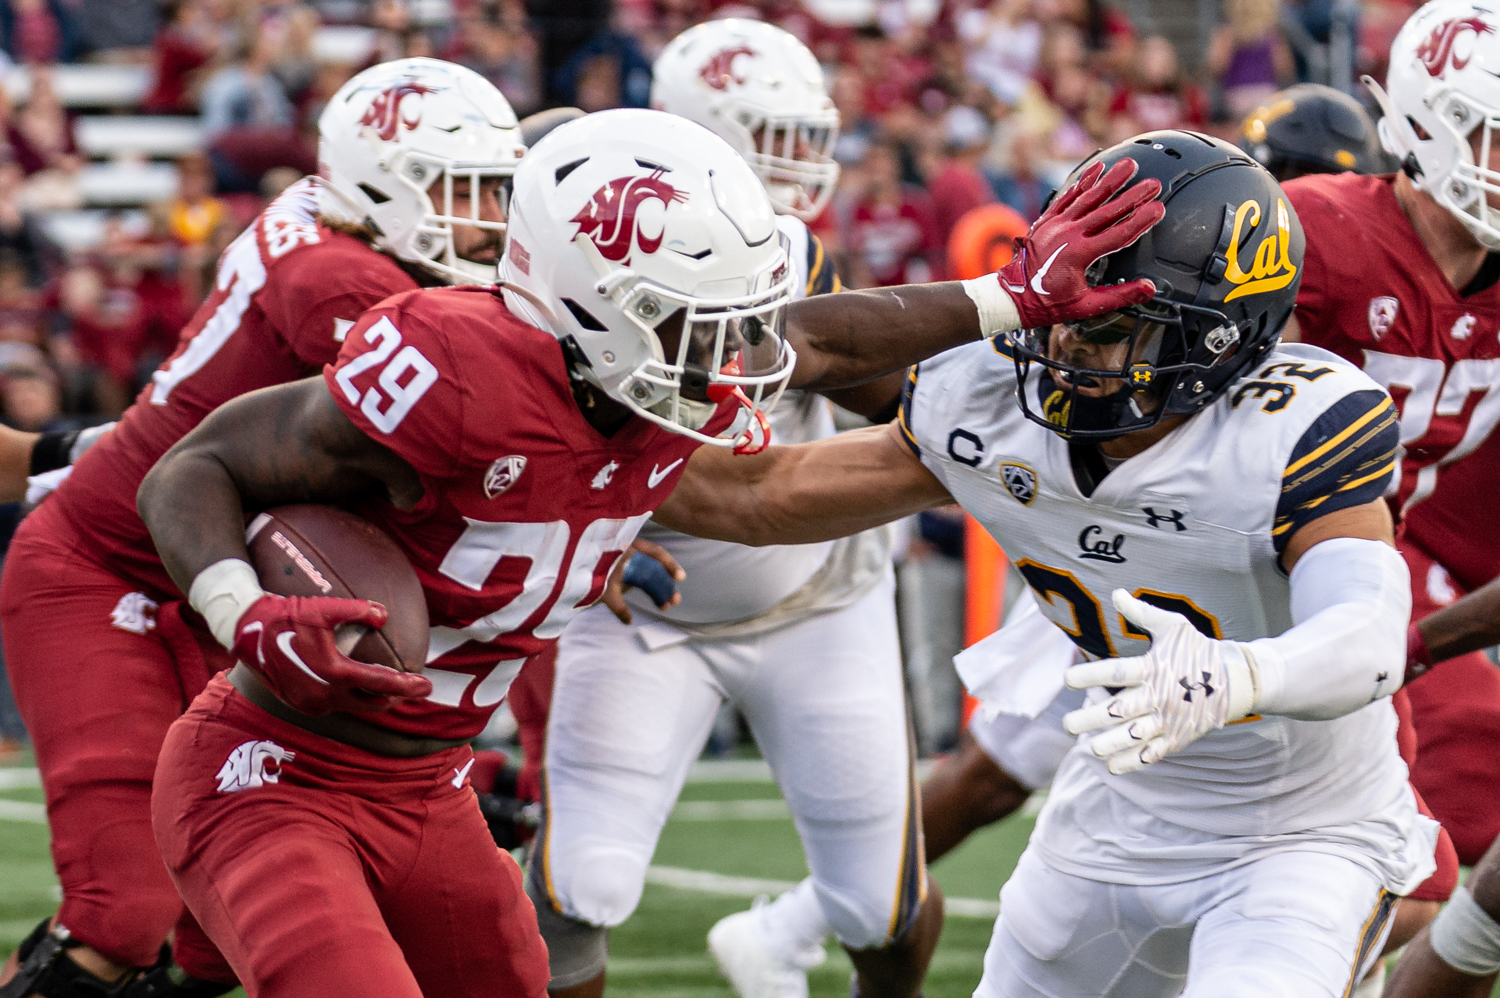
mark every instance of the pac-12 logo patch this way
{"type": "Point", "coordinates": [503, 474]}
{"type": "Point", "coordinates": [1020, 481]}
{"type": "Point", "coordinates": [1382, 315]}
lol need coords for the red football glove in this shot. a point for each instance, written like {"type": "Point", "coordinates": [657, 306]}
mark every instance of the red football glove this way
{"type": "Point", "coordinates": [289, 641]}
{"type": "Point", "coordinates": [1046, 276]}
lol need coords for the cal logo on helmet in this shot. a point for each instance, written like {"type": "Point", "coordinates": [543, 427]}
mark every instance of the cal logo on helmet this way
{"type": "Point", "coordinates": [1272, 267]}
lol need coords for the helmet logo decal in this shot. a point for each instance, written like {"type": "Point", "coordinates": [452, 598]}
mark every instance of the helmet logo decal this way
{"type": "Point", "coordinates": [719, 72]}
{"type": "Point", "coordinates": [384, 113]}
{"type": "Point", "coordinates": [609, 217]}
{"type": "Point", "coordinates": [1437, 51]}
{"type": "Point", "coordinates": [1273, 268]}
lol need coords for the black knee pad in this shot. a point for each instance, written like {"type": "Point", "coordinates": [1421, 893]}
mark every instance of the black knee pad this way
{"type": "Point", "coordinates": [576, 951]}
{"type": "Point", "coordinates": [47, 970]}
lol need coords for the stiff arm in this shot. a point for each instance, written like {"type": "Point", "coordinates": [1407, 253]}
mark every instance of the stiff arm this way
{"type": "Point", "coordinates": [804, 493]}
{"type": "Point", "coordinates": [289, 443]}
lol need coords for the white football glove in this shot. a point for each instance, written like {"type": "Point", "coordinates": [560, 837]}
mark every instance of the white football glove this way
{"type": "Point", "coordinates": [1185, 686]}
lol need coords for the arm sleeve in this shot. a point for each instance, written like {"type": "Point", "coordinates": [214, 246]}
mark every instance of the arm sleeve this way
{"type": "Point", "coordinates": [1345, 458]}
{"type": "Point", "coordinates": [396, 380]}
{"type": "Point", "coordinates": [1350, 603]}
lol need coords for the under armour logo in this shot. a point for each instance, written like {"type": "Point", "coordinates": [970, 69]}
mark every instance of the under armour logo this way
{"type": "Point", "coordinates": [1188, 687]}
{"type": "Point", "coordinates": [1172, 516]}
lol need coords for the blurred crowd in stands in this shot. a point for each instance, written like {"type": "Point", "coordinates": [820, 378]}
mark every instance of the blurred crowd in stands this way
{"type": "Point", "coordinates": [107, 245]}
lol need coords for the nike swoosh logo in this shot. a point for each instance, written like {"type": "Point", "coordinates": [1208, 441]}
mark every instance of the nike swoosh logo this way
{"type": "Point", "coordinates": [459, 774]}
{"type": "Point", "coordinates": [284, 642]}
{"type": "Point", "coordinates": [657, 474]}
{"type": "Point", "coordinates": [259, 630]}
{"type": "Point", "coordinates": [1036, 282]}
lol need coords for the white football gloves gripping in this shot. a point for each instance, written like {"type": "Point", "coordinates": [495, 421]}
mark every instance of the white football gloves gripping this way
{"type": "Point", "coordinates": [1185, 686]}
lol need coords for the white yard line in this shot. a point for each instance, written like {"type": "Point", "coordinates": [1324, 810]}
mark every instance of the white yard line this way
{"type": "Point", "coordinates": [730, 810]}
{"type": "Point", "coordinates": [19, 810]}
{"type": "Point", "coordinates": [708, 882]}
{"type": "Point", "coordinates": [12, 778]}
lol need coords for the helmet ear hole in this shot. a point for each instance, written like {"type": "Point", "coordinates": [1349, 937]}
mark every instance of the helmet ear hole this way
{"type": "Point", "coordinates": [379, 197]}
{"type": "Point", "coordinates": [585, 318]}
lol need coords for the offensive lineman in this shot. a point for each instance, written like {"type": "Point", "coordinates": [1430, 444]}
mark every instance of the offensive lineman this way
{"type": "Point", "coordinates": [648, 293]}
{"type": "Point", "coordinates": [98, 651]}
{"type": "Point", "coordinates": [1240, 824]}
{"type": "Point", "coordinates": [1404, 285]}
{"type": "Point", "coordinates": [801, 639]}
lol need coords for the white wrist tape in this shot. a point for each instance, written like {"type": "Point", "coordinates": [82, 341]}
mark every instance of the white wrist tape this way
{"type": "Point", "coordinates": [997, 310]}
{"type": "Point", "coordinates": [1351, 602]}
{"type": "Point", "coordinates": [1243, 685]}
{"type": "Point", "coordinates": [1466, 937]}
{"type": "Point", "coordinates": [222, 592]}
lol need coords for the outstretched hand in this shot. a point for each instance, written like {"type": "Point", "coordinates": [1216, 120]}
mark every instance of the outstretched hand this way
{"type": "Point", "coordinates": [1085, 222]}
{"type": "Point", "coordinates": [290, 642]}
{"type": "Point", "coordinates": [651, 569]}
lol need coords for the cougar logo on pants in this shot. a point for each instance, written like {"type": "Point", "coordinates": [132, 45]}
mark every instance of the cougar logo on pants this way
{"type": "Point", "coordinates": [253, 764]}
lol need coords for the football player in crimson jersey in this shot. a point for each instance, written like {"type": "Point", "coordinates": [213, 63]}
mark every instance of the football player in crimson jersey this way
{"type": "Point", "coordinates": [414, 157]}
{"type": "Point", "coordinates": [1400, 278]}
{"type": "Point", "coordinates": [512, 442]}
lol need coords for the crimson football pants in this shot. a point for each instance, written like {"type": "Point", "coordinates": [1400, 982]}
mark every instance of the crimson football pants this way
{"type": "Point", "coordinates": [323, 871]}
{"type": "Point", "coordinates": [1455, 710]}
{"type": "Point", "coordinates": [100, 673]}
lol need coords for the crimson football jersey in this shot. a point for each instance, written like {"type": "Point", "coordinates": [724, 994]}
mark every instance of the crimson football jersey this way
{"type": "Point", "coordinates": [526, 507]}
{"type": "Point", "coordinates": [1371, 293]}
{"type": "Point", "coordinates": [288, 291]}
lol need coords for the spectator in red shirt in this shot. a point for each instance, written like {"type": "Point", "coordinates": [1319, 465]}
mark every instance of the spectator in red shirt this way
{"type": "Point", "coordinates": [1160, 95]}
{"type": "Point", "coordinates": [182, 47]}
{"type": "Point", "coordinates": [893, 236]}
{"type": "Point", "coordinates": [957, 185]}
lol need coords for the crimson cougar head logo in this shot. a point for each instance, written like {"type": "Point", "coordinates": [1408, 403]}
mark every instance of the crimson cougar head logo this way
{"type": "Point", "coordinates": [609, 217]}
{"type": "Point", "coordinates": [1436, 52]}
{"type": "Point", "coordinates": [719, 72]}
{"type": "Point", "coordinates": [384, 113]}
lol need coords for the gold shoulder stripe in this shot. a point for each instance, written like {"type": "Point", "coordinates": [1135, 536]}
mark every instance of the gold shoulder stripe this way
{"type": "Point", "coordinates": [1383, 405]}
{"type": "Point", "coordinates": [817, 265]}
{"type": "Point", "coordinates": [1368, 478]}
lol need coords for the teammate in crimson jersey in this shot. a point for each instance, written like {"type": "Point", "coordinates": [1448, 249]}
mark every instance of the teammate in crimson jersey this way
{"type": "Point", "coordinates": [512, 446]}
{"type": "Point", "coordinates": [1400, 278]}
{"type": "Point", "coordinates": [97, 647]}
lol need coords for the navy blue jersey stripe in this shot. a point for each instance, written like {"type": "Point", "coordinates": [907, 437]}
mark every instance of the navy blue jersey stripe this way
{"type": "Point", "coordinates": [904, 414]}
{"type": "Point", "coordinates": [1345, 459]}
{"type": "Point", "coordinates": [822, 279]}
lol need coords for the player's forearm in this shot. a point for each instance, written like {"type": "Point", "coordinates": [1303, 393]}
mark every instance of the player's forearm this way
{"type": "Point", "coordinates": [1465, 625]}
{"type": "Point", "coordinates": [1351, 599]}
{"type": "Point", "coordinates": [854, 337]}
{"type": "Point", "coordinates": [190, 504]}
{"type": "Point", "coordinates": [15, 463]}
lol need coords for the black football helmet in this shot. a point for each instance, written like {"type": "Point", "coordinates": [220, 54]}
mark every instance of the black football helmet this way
{"type": "Point", "coordinates": [1226, 260]}
{"type": "Point", "coordinates": [1311, 128]}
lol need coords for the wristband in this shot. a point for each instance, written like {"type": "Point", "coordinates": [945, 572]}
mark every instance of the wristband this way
{"type": "Point", "coordinates": [1417, 652]}
{"type": "Point", "coordinates": [222, 593]}
{"type": "Point", "coordinates": [997, 311]}
{"type": "Point", "coordinates": [1244, 680]}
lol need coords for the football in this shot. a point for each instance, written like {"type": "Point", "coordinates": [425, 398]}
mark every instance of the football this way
{"type": "Point", "coordinates": [310, 550]}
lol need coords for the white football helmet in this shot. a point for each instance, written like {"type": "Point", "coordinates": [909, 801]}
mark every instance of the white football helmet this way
{"type": "Point", "coordinates": [1442, 83]}
{"type": "Point", "coordinates": [761, 90]}
{"type": "Point", "coordinates": [644, 243]}
{"type": "Point", "coordinates": [393, 131]}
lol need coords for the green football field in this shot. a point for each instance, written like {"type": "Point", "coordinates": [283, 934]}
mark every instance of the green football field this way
{"type": "Point", "coordinates": [729, 839]}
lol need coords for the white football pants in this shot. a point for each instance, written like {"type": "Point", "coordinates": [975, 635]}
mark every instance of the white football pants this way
{"type": "Point", "coordinates": [632, 707]}
{"type": "Point", "coordinates": [1290, 925]}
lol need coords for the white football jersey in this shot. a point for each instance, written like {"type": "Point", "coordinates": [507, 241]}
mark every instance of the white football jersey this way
{"type": "Point", "coordinates": [733, 582]}
{"type": "Point", "coordinates": [1195, 524]}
